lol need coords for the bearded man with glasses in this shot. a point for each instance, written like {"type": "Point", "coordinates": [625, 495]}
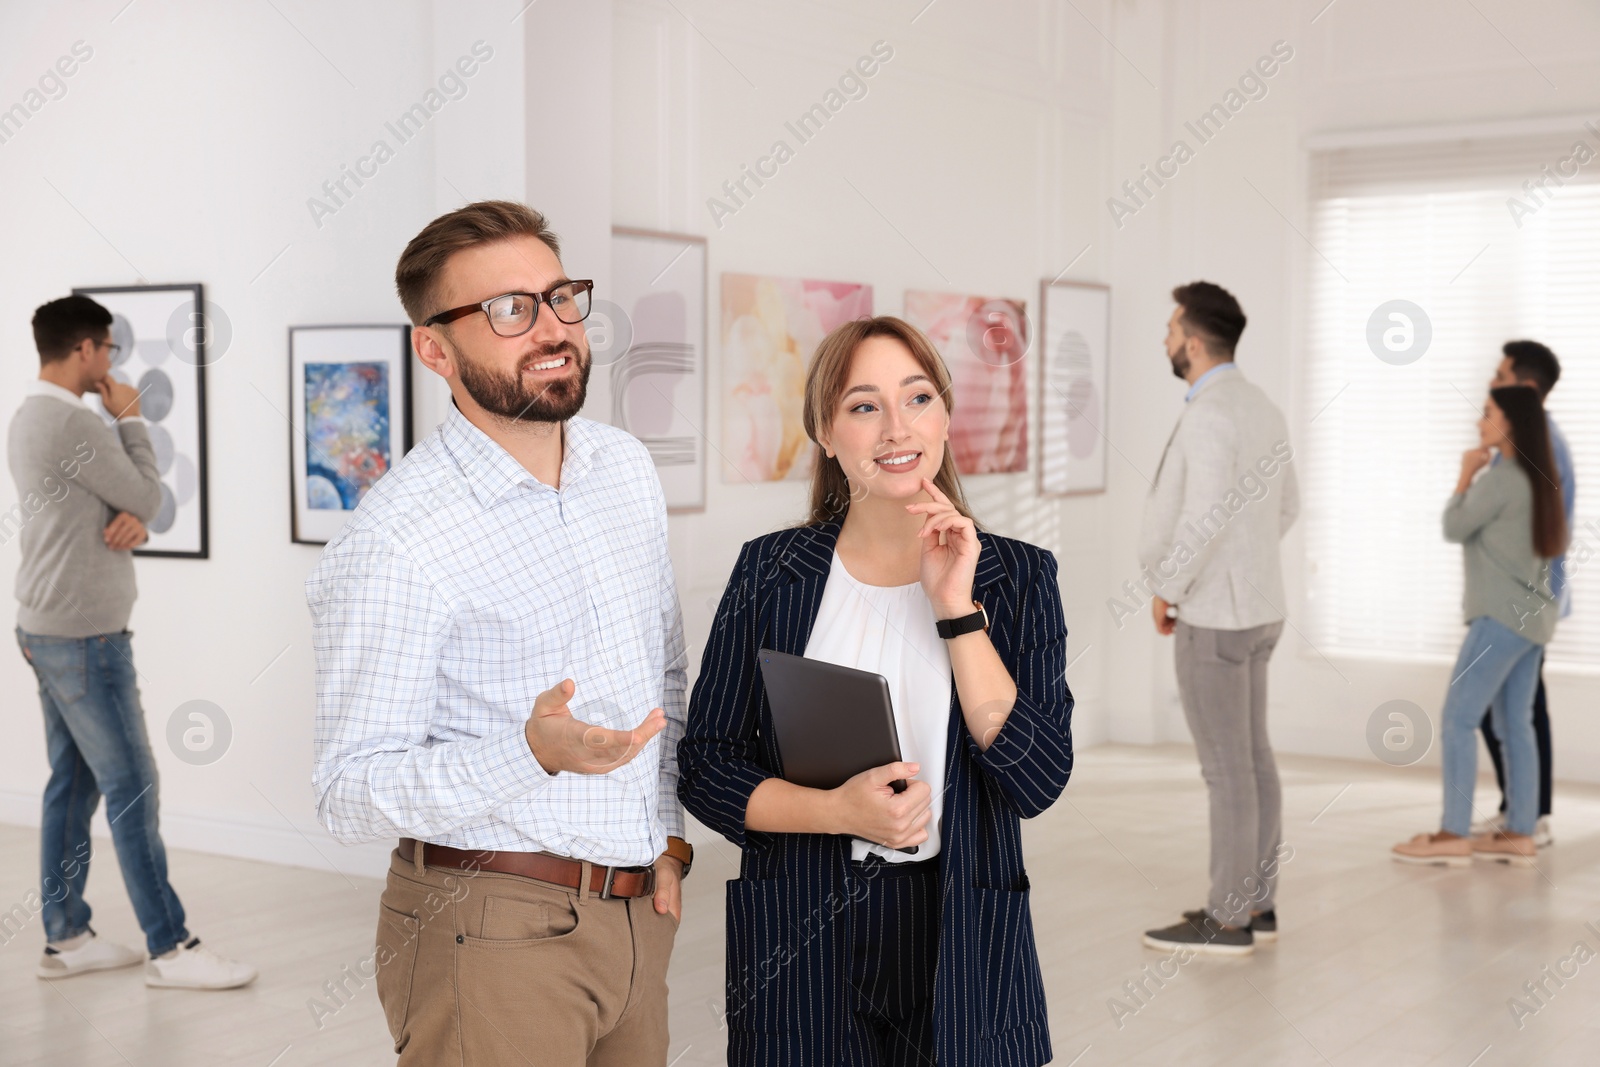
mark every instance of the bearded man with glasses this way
{"type": "Point", "coordinates": [516, 559]}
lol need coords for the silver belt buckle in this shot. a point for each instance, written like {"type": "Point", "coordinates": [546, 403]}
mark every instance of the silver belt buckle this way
{"type": "Point", "coordinates": [605, 889]}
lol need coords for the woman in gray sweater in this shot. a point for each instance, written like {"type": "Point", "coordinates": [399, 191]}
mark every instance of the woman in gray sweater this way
{"type": "Point", "coordinates": [1510, 524]}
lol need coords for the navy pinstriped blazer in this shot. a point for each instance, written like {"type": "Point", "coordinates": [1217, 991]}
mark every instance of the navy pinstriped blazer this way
{"type": "Point", "coordinates": [787, 919]}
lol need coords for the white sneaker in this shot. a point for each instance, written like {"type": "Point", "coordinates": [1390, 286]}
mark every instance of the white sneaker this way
{"type": "Point", "coordinates": [1489, 826]}
{"type": "Point", "coordinates": [92, 954]}
{"type": "Point", "coordinates": [1542, 837]}
{"type": "Point", "coordinates": [193, 967]}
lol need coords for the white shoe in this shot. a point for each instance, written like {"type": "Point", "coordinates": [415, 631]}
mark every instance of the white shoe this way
{"type": "Point", "coordinates": [1489, 826]}
{"type": "Point", "coordinates": [94, 954]}
{"type": "Point", "coordinates": [1542, 837]}
{"type": "Point", "coordinates": [193, 967]}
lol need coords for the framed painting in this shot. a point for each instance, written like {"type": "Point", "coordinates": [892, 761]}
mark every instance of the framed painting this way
{"type": "Point", "coordinates": [350, 420]}
{"type": "Point", "coordinates": [1074, 369]}
{"type": "Point", "coordinates": [984, 342]}
{"type": "Point", "coordinates": [164, 341]}
{"type": "Point", "coordinates": [647, 339]}
{"type": "Point", "coordinates": [770, 328]}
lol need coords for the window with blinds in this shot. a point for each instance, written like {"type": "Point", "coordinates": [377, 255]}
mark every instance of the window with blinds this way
{"type": "Point", "coordinates": [1433, 224]}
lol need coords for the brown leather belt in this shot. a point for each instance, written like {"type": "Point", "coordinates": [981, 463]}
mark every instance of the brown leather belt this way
{"type": "Point", "coordinates": [604, 882]}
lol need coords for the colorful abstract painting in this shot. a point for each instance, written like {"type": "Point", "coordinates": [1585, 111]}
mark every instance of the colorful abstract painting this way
{"type": "Point", "coordinates": [347, 429]}
{"type": "Point", "coordinates": [770, 329]}
{"type": "Point", "coordinates": [984, 342]}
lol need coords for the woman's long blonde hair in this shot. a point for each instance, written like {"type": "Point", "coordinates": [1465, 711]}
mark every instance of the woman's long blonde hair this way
{"type": "Point", "coordinates": [826, 381]}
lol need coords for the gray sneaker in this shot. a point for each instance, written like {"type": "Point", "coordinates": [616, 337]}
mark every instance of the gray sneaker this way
{"type": "Point", "coordinates": [1264, 926]}
{"type": "Point", "coordinates": [1205, 936]}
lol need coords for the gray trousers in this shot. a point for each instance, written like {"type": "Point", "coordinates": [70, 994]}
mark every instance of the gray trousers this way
{"type": "Point", "coordinates": [1222, 680]}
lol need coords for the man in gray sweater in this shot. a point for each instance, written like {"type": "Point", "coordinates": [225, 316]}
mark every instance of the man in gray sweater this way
{"type": "Point", "coordinates": [84, 491]}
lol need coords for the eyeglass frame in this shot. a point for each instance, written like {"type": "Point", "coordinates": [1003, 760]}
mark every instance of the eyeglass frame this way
{"type": "Point", "coordinates": [116, 348]}
{"type": "Point", "coordinates": [539, 300]}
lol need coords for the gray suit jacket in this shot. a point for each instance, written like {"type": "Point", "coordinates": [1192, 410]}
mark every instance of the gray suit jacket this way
{"type": "Point", "coordinates": [1224, 495]}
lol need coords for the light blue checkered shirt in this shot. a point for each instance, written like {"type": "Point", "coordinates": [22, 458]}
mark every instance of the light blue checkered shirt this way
{"type": "Point", "coordinates": [463, 587]}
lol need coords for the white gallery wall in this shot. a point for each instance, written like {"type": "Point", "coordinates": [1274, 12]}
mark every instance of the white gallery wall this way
{"type": "Point", "coordinates": [189, 148]}
{"type": "Point", "coordinates": [972, 164]}
{"type": "Point", "coordinates": [1236, 214]}
{"type": "Point", "coordinates": [979, 160]}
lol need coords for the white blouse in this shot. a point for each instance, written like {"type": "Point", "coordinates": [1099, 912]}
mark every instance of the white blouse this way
{"type": "Point", "coordinates": [890, 630]}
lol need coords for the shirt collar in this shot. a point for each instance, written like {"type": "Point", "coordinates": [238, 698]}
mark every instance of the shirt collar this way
{"type": "Point", "coordinates": [492, 472]}
{"type": "Point", "coordinates": [40, 387]}
{"type": "Point", "coordinates": [1201, 381]}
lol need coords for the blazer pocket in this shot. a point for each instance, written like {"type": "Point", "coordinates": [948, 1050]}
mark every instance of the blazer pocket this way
{"type": "Point", "coordinates": [770, 963]}
{"type": "Point", "coordinates": [1013, 990]}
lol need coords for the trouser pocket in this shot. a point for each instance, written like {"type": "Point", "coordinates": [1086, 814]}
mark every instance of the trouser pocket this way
{"type": "Point", "coordinates": [396, 957]}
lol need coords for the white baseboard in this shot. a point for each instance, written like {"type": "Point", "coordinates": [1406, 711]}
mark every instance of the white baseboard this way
{"type": "Point", "coordinates": [237, 834]}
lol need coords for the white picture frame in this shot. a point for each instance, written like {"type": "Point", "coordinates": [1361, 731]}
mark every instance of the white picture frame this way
{"type": "Point", "coordinates": [377, 413]}
{"type": "Point", "coordinates": [1074, 380]}
{"type": "Point", "coordinates": [647, 343]}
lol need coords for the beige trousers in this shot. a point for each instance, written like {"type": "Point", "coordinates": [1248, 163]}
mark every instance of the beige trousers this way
{"type": "Point", "coordinates": [479, 968]}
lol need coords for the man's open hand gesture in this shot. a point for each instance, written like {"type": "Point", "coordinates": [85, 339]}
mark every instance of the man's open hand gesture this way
{"type": "Point", "coordinates": [561, 743]}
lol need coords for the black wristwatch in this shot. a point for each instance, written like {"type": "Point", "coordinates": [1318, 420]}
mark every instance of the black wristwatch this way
{"type": "Point", "coordinates": [966, 624]}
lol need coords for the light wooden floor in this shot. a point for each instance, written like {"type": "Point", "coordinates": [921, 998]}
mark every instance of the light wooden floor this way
{"type": "Point", "coordinates": [1378, 963]}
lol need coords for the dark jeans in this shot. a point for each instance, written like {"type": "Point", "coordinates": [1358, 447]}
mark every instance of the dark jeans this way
{"type": "Point", "coordinates": [1541, 734]}
{"type": "Point", "coordinates": [95, 734]}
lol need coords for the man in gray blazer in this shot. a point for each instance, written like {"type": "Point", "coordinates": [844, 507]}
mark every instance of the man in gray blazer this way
{"type": "Point", "coordinates": [1224, 495]}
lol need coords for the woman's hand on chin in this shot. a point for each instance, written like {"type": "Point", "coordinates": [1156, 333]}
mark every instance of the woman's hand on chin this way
{"type": "Point", "coordinates": [948, 568]}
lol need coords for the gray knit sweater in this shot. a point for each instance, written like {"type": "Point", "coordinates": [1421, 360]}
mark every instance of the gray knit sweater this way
{"type": "Point", "coordinates": [73, 474]}
{"type": "Point", "coordinates": [1505, 580]}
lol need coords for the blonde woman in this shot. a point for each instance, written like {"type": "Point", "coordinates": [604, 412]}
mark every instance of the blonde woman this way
{"type": "Point", "coordinates": [840, 948]}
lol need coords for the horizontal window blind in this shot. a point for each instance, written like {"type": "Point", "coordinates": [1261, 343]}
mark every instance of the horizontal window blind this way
{"type": "Point", "coordinates": [1432, 224]}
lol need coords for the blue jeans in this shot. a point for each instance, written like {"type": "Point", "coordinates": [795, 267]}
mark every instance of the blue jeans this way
{"type": "Point", "coordinates": [1498, 668]}
{"type": "Point", "coordinates": [95, 733]}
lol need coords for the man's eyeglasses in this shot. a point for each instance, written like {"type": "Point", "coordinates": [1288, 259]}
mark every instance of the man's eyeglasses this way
{"type": "Point", "coordinates": [512, 314]}
{"type": "Point", "coordinates": [116, 349]}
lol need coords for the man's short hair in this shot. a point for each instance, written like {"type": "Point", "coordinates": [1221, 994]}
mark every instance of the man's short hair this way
{"type": "Point", "coordinates": [62, 325]}
{"type": "Point", "coordinates": [1533, 364]}
{"type": "Point", "coordinates": [1212, 314]}
{"type": "Point", "coordinates": [417, 274]}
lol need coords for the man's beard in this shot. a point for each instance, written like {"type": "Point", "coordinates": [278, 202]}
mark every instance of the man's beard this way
{"type": "Point", "coordinates": [509, 398]}
{"type": "Point", "coordinates": [1180, 364]}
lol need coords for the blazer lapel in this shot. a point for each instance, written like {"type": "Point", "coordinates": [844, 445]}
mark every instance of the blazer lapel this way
{"type": "Point", "coordinates": [800, 573]}
{"type": "Point", "coordinates": [1165, 449]}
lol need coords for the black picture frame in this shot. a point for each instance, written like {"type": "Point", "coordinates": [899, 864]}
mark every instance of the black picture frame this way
{"type": "Point", "coordinates": [197, 352]}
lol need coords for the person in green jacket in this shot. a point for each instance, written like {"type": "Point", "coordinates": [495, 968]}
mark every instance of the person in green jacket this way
{"type": "Point", "coordinates": [1510, 523]}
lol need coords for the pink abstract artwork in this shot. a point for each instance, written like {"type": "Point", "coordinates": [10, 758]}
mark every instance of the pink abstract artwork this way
{"type": "Point", "coordinates": [770, 329]}
{"type": "Point", "coordinates": [983, 342]}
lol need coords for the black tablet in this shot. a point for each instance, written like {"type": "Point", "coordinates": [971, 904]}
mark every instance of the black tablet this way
{"type": "Point", "coordinates": [832, 722]}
